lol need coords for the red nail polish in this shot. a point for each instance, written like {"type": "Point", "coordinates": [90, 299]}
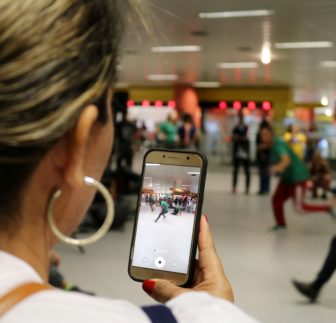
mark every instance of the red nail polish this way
{"type": "Point", "coordinates": [206, 217]}
{"type": "Point", "coordinates": [148, 286]}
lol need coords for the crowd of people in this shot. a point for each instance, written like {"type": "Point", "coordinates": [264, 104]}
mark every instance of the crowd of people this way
{"type": "Point", "coordinates": [178, 203]}
{"type": "Point", "coordinates": [297, 162]}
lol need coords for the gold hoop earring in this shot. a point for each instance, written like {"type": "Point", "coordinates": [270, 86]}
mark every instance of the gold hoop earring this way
{"type": "Point", "coordinates": [102, 230]}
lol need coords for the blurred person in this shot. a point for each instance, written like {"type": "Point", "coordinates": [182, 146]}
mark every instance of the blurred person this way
{"type": "Point", "coordinates": [187, 133]}
{"type": "Point", "coordinates": [125, 139]}
{"type": "Point", "coordinates": [167, 131]}
{"type": "Point", "coordinates": [56, 134]}
{"type": "Point", "coordinates": [151, 201]}
{"type": "Point", "coordinates": [164, 210]}
{"type": "Point", "coordinates": [293, 175]}
{"type": "Point", "coordinates": [263, 161]}
{"type": "Point", "coordinates": [320, 176]}
{"type": "Point", "coordinates": [241, 153]}
{"type": "Point", "coordinates": [313, 137]}
{"type": "Point", "coordinates": [57, 280]}
{"type": "Point", "coordinates": [313, 289]}
{"type": "Point", "coordinates": [296, 140]}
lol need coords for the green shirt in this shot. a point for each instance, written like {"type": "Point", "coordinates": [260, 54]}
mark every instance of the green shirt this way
{"type": "Point", "coordinates": [297, 171]}
{"type": "Point", "coordinates": [170, 130]}
{"type": "Point", "coordinates": [164, 206]}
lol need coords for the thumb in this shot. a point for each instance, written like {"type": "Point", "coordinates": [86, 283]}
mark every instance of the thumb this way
{"type": "Point", "coordinates": [161, 290]}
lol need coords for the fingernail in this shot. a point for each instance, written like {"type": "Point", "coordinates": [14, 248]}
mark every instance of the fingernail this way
{"type": "Point", "coordinates": [148, 286]}
{"type": "Point", "coordinates": [206, 217]}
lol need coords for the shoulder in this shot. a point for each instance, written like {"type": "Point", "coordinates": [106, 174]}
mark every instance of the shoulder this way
{"type": "Point", "coordinates": [59, 306]}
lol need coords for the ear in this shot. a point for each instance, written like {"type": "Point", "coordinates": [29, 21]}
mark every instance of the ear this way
{"type": "Point", "coordinates": [77, 143]}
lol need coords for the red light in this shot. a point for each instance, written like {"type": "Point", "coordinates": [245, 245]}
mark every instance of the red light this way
{"type": "Point", "coordinates": [130, 103]}
{"type": "Point", "coordinates": [146, 104]}
{"type": "Point", "coordinates": [222, 105]}
{"type": "Point", "coordinates": [251, 105]}
{"type": "Point", "coordinates": [171, 104]}
{"type": "Point", "coordinates": [266, 105]}
{"type": "Point", "coordinates": [158, 104]}
{"type": "Point", "coordinates": [237, 105]}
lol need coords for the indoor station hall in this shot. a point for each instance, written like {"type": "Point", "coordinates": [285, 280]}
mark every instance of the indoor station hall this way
{"type": "Point", "coordinates": [168, 161]}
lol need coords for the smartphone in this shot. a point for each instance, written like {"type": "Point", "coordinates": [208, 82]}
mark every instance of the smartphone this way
{"type": "Point", "coordinates": [169, 209]}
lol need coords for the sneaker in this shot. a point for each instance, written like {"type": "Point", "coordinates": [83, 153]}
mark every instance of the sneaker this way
{"type": "Point", "coordinates": [279, 228]}
{"type": "Point", "coordinates": [307, 290]}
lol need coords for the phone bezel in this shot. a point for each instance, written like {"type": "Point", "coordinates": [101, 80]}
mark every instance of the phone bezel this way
{"type": "Point", "coordinates": [171, 157]}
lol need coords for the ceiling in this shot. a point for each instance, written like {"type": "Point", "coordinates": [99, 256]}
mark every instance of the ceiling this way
{"type": "Point", "coordinates": [162, 178]}
{"type": "Point", "coordinates": [233, 40]}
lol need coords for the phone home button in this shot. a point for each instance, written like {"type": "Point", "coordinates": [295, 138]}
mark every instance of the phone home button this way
{"type": "Point", "coordinates": [160, 262]}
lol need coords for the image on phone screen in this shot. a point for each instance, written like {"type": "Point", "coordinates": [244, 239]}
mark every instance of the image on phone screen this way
{"type": "Point", "coordinates": [169, 198]}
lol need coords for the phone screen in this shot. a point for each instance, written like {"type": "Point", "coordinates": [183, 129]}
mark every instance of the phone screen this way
{"type": "Point", "coordinates": [169, 198]}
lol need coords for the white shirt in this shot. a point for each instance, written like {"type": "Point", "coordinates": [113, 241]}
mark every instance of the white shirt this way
{"type": "Point", "coordinates": [61, 306]}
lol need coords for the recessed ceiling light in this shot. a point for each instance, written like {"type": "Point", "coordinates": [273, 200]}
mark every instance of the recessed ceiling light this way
{"type": "Point", "coordinates": [328, 64]}
{"type": "Point", "coordinates": [206, 84]}
{"type": "Point", "coordinates": [238, 65]}
{"type": "Point", "coordinates": [236, 14]}
{"type": "Point", "coordinates": [324, 101]}
{"type": "Point", "coordinates": [176, 49]}
{"type": "Point", "coordinates": [302, 45]}
{"type": "Point", "coordinates": [162, 77]}
{"type": "Point", "coordinates": [151, 164]}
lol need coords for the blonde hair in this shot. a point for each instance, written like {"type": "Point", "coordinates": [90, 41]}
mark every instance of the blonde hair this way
{"type": "Point", "coordinates": [56, 56]}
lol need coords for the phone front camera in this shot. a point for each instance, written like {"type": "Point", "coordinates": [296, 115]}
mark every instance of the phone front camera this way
{"type": "Point", "coordinates": [164, 156]}
{"type": "Point", "coordinates": [188, 158]}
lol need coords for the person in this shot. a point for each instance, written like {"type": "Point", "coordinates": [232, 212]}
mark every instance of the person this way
{"type": "Point", "coordinates": [293, 175]}
{"type": "Point", "coordinates": [241, 153]}
{"type": "Point", "coordinates": [296, 140]}
{"type": "Point", "coordinates": [57, 280]}
{"type": "Point", "coordinates": [167, 131]}
{"type": "Point", "coordinates": [187, 132]}
{"type": "Point", "coordinates": [320, 176]}
{"type": "Point", "coordinates": [56, 134]}
{"type": "Point", "coordinates": [312, 290]}
{"type": "Point", "coordinates": [263, 161]}
{"type": "Point", "coordinates": [177, 210]}
{"type": "Point", "coordinates": [151, 202]}
{"type": "Point", "coordinates": [164, 210]}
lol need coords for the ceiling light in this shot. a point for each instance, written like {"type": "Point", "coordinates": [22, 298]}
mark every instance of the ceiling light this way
{"type": "Point", "coordinates": [150, 164]}
{"type": "Point", "coordinates": [176, 49]}
{"type": "Point", "coordinates": [207, 84]}
{"type": "Point", "coordinates": [328, 112]}
{"type": "Point", "coordinates": [328, 64]}
{"type": "Point", "coordinates": [266, 55]}
{"type": "Point", "coordinates": [238, 65]}
{"type": "Point", "coordinates": [162, 77]}
{"type": "Point", "coordinates": [300, 45]}
{"type": "Point", "coordinates": [235, 14]}
{"type": "Point", "coordinates": [193, 173]}
{"type": "Point", "coordinates": [324, 101]}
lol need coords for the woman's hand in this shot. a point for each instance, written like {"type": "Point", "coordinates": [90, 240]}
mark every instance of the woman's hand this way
{"type": "Point", "coordinates": [209, 273]}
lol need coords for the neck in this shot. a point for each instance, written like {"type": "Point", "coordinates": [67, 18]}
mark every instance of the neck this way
{"type": "Point", "coordinates": [29, 243]}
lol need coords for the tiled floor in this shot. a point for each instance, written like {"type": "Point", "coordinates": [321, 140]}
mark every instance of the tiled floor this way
{"type": "Point", "coordinates": [259, 264]}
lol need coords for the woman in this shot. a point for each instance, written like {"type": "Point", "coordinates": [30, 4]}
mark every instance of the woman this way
{"type": "Point", "coordinates": [57, 62]}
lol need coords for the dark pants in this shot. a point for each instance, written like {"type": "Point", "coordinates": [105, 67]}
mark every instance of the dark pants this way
{"type": "Point", "coordinates": [329, 266]}
{"type": "Point", "coordinates": [162, 213]}
{"type": "Point", "coordinates": [265, 178]}
{"type": "Point", "coordinates": [236, 165]}
{"type": "Point", "coordinates": [295, 191]}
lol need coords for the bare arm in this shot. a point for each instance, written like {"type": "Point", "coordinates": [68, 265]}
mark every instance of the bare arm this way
{"type": "Point", "coordinates": [282, 165]}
